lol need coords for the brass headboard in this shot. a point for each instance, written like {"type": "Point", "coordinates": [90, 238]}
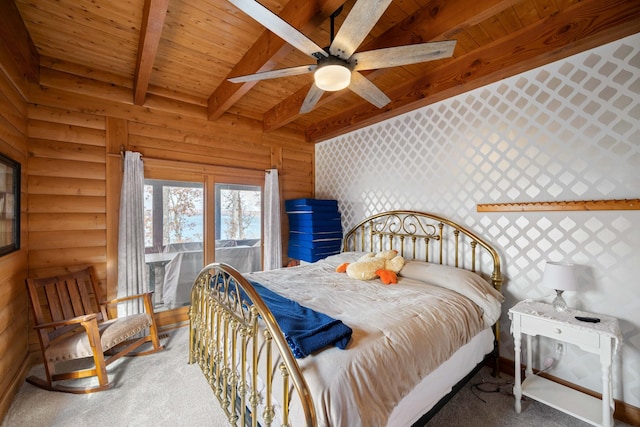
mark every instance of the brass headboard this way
{"type": "Point", "coordinates": [423, 236]}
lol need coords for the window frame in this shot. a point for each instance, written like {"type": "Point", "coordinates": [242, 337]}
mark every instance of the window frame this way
{"type": "Point", "coordinates": [209, 175]}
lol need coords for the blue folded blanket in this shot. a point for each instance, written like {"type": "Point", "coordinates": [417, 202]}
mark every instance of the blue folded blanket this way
{"type": "Point", "coordinates": [305, 329]}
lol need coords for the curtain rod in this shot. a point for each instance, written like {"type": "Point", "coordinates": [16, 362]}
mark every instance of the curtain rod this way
{"type": "Point", "coordinates": [122, 151]}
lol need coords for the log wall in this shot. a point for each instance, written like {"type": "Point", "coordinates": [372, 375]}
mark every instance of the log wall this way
{"type": "Point", "coordinates": [75, 144]}
{"type": "Point", "coordinates": [68, 133]}
{"type": "Point", "coordinates": [14, 306]}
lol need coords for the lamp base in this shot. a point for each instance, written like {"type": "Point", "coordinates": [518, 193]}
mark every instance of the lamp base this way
{"type": "Point", "coordinates": [558, 302]}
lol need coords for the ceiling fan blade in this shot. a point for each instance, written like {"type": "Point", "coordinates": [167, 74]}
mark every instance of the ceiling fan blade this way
{"type": "Point", "coordinates": [312, 98]}
{"type": "Point", "coordinates": [402, 55]}
{"type": "Point", "coordinates": [361, 19]}
{"type": "Point", "coordinates": [280, 27]}
{"type": "Point", "coordinates": [284, 72]}
{"type": "Point", "coordinates": [367, 90]}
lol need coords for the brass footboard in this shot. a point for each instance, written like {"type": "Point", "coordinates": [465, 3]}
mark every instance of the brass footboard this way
{"type": "Point", "coordinates": [239, 348]}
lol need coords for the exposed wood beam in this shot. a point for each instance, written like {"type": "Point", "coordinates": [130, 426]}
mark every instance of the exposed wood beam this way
{"type": "Point", "coordinates": [437, 20]}
{"type": "Point", "coordinates": [18, 55]}
{"type": "Point", "coordinates": [153, 17]}
{"type": "Point", "coordinates": [268, 50]}
{"type": "Point", "coordinates": [583, 26]}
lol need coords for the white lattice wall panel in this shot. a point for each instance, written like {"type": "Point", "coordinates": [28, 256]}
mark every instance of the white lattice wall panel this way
{"type": "Point", "coordinates": [567, 131]}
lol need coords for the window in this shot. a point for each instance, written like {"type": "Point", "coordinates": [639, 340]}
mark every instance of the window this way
{"type": "Point", "coordinates": [238, 225]}
{"type": "Point", "coordinates": [195, 215]}
{"type": "Point", "coordinates": [174, 236]}
{"type": "Point", "coordinates": [173, 213]}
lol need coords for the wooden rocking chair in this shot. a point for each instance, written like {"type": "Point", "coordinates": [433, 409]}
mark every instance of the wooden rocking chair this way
{"type": "Point", "coordinates": [73, 323]}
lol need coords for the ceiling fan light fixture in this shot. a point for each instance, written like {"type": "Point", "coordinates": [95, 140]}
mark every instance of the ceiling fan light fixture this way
{"type": "Point", "coordinates": [332, 77]}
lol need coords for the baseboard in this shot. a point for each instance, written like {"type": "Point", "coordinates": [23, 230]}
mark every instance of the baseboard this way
{"type": "Point", "coordinates": [172, 317]}
{"type": "Point", "coordinates": [623, 411]}
{"type": "Point", "coordinates": [10, 393]}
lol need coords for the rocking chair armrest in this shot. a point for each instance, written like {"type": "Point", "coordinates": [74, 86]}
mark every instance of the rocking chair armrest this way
{"type": "Point", "coordinates": [127, 298]}
{"type": "Point", "coordinates": [73, 321]}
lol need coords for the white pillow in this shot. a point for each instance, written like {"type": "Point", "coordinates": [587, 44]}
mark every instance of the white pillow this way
{"type": "Point", "coordinates": [338, 259]}
{"type": "Point", "coordinates": [465, 282]}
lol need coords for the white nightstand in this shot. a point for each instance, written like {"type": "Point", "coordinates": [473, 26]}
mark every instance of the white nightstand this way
{"type": "Point", "coordinates": [537, 318]}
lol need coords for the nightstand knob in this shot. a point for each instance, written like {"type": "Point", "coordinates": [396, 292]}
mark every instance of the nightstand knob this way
{"type": "Point", "coordinates": [557, 330]}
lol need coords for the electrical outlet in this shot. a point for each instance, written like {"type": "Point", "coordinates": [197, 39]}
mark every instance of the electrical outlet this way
{"type": "Point", "coordinates": [560, 348]}
{"type": "Point", "coordinates": [548, 362]}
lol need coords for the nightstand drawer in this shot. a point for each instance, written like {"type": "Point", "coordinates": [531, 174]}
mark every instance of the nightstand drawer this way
{"type": "Point", "coordinates": [560, 331]}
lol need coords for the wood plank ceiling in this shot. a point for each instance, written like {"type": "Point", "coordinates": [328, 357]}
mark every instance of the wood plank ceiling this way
{"type": "Point", "coordinates": [179, 53]}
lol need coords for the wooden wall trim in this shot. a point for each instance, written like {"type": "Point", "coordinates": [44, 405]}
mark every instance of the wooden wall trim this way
{"type": "Point", "coordinates": [583, 205]}
{"type": "Point", "coordinates": [170, 318]}
{"type": "Point", "coordinates": [116, 139]}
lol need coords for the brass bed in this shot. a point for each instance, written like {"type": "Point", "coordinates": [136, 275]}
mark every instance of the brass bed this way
{"type": "Point", "coordinates": [244, 355]}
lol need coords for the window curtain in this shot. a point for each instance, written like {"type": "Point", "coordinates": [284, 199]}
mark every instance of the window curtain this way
{"type": "Point", "coordinates": [272, 235]}
{"type": "Point", "coordinates": [131, 265]}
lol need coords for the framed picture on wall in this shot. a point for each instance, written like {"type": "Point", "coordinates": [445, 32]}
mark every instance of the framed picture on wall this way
{"type": "Point", "coordinates": [9, 205]}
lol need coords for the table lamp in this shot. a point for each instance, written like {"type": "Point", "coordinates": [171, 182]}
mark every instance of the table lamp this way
{"type": "Point", "coordinates": [561, 277]}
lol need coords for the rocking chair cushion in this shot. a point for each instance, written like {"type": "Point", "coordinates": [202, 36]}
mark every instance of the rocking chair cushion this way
{"type": "Point", "coordinates": [112, 333]}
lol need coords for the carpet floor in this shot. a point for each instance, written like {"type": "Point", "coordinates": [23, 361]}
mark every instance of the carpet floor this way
{"type": "Point", "coordinates": [162, 389]}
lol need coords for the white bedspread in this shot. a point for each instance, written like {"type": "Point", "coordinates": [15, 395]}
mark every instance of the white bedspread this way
{"type": "Point", "coordinates": [400, 334]}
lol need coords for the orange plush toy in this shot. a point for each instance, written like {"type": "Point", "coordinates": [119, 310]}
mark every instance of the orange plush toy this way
{"type": "Point", "coordinates": [387, 276]}
{"type": "Point", "coordinates": [342, 268]}
{"type": "Point", "coordinates": [385, 265]}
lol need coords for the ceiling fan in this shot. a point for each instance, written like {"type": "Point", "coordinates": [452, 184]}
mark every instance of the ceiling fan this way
{"type": "Point", "coordinates": [337, 67]}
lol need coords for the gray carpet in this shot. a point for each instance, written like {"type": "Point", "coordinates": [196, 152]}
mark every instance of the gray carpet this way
{"type": "Point", "coordinates": [487, 401]}
{"type": "Point", "coordinates": [160, 389]}
{"type": "Point", "coordinates": [164, 390]}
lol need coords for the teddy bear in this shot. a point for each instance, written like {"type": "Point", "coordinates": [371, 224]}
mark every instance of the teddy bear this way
{"type": "Point", "coordinates": [385, 264]}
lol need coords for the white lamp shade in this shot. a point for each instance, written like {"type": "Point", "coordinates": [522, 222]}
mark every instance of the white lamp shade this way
{"type": "Point", "coordinates": [332, 77]}
{"type": "Point", "coordinates": [560, 276]}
